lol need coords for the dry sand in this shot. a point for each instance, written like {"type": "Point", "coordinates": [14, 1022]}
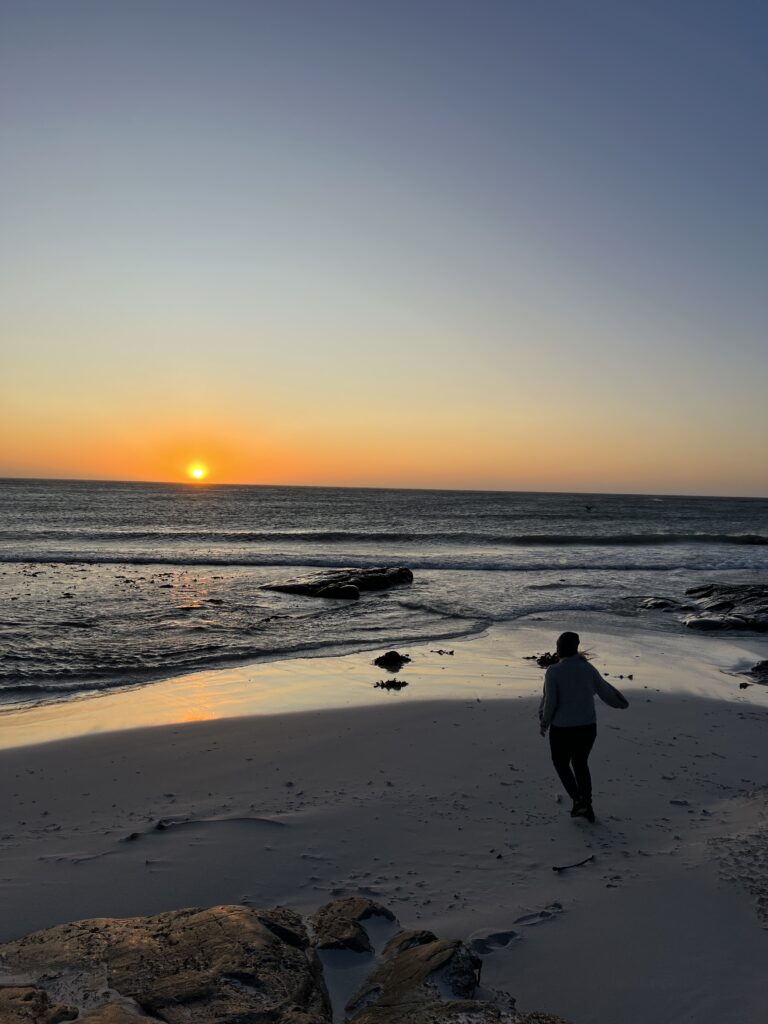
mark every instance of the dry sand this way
{"type": "Point", "coordinates": [445, 809]}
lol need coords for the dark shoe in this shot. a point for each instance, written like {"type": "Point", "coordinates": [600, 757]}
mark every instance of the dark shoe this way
{"type": "Point", "coordinates": [579, 809]}
{"type": "Point", "coordinates": [589, 814]}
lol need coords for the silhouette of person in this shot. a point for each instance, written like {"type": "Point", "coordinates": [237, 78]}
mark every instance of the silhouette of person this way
{"type": "Point", "coordinates": [567, 709]}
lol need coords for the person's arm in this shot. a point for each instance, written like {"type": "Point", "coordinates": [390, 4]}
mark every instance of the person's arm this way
{"type": "Point", "coordinates": [548, 704]}
{"type": "Point", "coordinates": [608, 694]}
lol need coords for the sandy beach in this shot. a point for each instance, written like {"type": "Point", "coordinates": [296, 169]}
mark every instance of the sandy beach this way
{"type": "Point", "coordinates": [439, 801]}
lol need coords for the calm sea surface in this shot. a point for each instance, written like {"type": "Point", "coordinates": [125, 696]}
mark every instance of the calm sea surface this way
{"type": "Point", "coordinates": [108, 584]}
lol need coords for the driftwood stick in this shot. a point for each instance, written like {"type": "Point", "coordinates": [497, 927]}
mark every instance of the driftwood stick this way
{"type": "Point", "coordinates": [565, 867]}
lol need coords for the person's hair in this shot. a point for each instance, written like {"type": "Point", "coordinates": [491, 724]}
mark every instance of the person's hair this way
{"type": "Point", "coordinates": [568, 644]}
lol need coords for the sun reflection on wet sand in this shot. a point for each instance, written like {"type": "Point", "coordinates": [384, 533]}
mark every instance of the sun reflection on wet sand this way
{"type": "Point", "coordinates": [299, 684]}
{"type": "Point", "coordinates": [491, 665]}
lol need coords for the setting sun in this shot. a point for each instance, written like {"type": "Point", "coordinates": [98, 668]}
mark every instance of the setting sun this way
{"type": "Point", "coordinates": [197, 471]}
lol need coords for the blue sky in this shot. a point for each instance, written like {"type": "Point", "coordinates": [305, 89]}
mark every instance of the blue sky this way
{"type": "Point", "coordinates": [541, 225]}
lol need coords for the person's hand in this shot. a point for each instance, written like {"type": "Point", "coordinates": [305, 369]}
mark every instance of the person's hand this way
{"type": "Point", "coordinates": [542, 731]}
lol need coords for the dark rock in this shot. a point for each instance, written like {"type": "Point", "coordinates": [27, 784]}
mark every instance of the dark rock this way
{"type": "Point", "coordinates": [336, 582]}
{"type": "Point", "coordinates": [541, 1018]}
{"type": "Point", "coordinates": [346, 591]}
{"type": "Point", "coordinates": [286, 925]}
{"type": "Point", "coordinates": [742, 606]}
{"type": "Point", "coordinates": [117, 1013]}
{"type": "Point", "coordinates": [337, 924]}
{"type": "Point", "coordinates": [407, 939]}
{"type": "Point", "coordinates": [704, 623]}
{"type": "Point", "coordinates": [25, 1004]}
{"type": "Point", "coordinates": [432, 981]}
{"type": "Point", "coordinates": [718, 606]}
{"type": "Point", "coordinates": [659, 603]}
{"type": "Point", "coordinates": [703, 591]}
{"type": "Point", "coordinates": [226, 963]}
{"type": "Point", "coordinates": [392, 661]}
{"type": "Point", "coordinates": [759, 672]}
{"type": "Point", "coordinates": [237, 965]}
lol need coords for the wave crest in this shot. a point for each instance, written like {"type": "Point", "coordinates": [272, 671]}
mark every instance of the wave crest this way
{"type": "Point", "coordinates": [464, 538]}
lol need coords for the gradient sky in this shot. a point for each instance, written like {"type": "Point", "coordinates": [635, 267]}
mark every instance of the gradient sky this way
{"type": "Point", "coordinates": [517, 245]}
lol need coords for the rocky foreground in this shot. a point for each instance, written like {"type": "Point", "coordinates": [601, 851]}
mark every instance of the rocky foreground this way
{"type": "Point", "coordinates": [239, 965]}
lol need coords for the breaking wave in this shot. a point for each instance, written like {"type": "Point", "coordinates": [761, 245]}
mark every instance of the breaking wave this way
{"type": "Point", "coordinates": [463, 538]}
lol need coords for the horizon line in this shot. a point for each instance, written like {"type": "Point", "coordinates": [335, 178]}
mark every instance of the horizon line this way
{"type": "Point", "coordinates": [198, 485]}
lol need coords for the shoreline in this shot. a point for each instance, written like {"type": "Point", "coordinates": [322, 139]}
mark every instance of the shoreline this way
{"type": "Point", "coordinates": [105, 686]}
{"type": "Point", "coordinates": [488, 663]}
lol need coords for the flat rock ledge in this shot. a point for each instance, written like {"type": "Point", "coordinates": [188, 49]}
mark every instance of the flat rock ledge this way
{"type": "Point", "coordinates": [346, 584]}
{"type": "Point", "coordinates": [718, 606]}
{"type": "Point", "coordinates": [239, 965]}
{"type": "Point", "coordinates": [729, 606]}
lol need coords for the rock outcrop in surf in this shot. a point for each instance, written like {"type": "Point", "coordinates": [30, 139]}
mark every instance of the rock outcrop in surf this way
{"type": "Point", "coordinates": [715, 606]}
{"type": "Point", "coordinates": [759, 672]}
{"type": "Point", "coordinates": [344, 583]}
{"type": "Point", "coordinates": [729, 606]}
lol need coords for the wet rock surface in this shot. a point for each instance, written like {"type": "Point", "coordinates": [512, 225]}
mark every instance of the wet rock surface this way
{"type": "Point", "coordinates": [759, 672]}
{"type": "Point", "coordinates": [664, 604]}
{"type": "Point", "coordinates": [715, 606]}
{"type": "Point", "coordinates": [729, 606]}
{"type": "Point", "coordinates": [346, 584]}
{"type": "Point", "coordinates": [238, 965]}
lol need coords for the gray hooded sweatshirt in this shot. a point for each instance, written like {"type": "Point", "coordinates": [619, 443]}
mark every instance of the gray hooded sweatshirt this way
{"type": "Point", "coordinates": [569, 693]}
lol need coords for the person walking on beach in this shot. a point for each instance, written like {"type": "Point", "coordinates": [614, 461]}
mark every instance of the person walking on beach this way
{"type": "Point", "coordinates": [568, 710]}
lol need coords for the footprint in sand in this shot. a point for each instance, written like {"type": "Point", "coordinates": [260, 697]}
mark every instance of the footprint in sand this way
{"type": "Point", "coordinates": [536, 917]}
{"type": "Point", "coordinates": [486, 942]}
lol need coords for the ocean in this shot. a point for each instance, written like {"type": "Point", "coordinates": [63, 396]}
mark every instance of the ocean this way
{"type": "Point", "coordinates": [112, 584]}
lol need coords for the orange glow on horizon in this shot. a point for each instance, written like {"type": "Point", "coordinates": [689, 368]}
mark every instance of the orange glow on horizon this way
{"type": "Point", "coordinates": [515, 452]}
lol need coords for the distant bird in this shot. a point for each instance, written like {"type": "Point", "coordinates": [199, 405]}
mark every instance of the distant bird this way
{"type": "Point", "coordinates": [589, 507]}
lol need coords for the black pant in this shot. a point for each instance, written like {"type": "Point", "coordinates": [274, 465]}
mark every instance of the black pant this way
{"type": "Point", "coordinates": [570, 745]}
